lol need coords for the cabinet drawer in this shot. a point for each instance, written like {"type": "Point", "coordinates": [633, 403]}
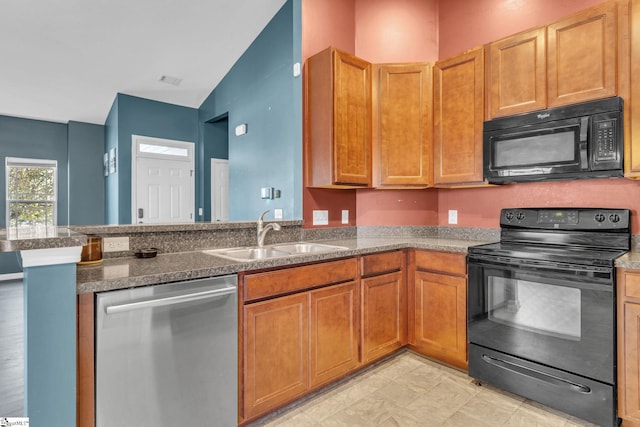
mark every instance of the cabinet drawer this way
{"type": "Point", "coordinates": [277, 282]}
{"type": "Point", "coordinates": [382, 263]}
{"type": "Point", "coordinates": [631, 285]}
{"type": "Point", "coordinates": [444, 262]}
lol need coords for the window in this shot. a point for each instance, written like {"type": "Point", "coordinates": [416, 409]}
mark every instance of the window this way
{"type": "Point", "coordinates": [31, 194]}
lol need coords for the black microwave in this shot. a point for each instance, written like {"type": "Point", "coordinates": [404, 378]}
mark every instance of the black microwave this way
{"type": "Point", "coordinates": [570, 142]}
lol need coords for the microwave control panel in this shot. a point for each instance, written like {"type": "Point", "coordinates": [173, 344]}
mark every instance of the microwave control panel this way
{"type": "Point", "coordinates": [605, 141]}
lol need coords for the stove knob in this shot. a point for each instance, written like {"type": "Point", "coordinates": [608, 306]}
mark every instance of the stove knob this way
{"type": "Point", "coordinates": [600, 217]}
{"type": "Point", "coordinates": [520, 216]}
{"type": "Point", "coordinates": [509, 216]}
{"type": "Point", "coordinates": [614, 218]}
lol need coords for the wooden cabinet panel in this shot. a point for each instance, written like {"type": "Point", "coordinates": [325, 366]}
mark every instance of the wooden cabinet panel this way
{"type": "Point", "coordinates": [384, 316]}
{"type": "Point", "coordinates": [337, 120]}
{"type": "Point", "coordinates": [440, 317]}
{"type": "Point", "coordinates": [629, 347]}
{"type": "Point", "coordinates": [382, 263]}
{"type": "Point", "coordinates": [443, 262]}
{"type": "Point", "coordinates": [86, 391]}
{"type": "Point", "coordinates": [518, 79]}
{"type": "Point", "coordinates": [582, 56]}
{"type": "Point", "coordinates": [632, 102]}
{"type": "Point", "coordinates": [333, 339]}
{"type": "Point", "coordinates": [275, 352]}
{"type": "Point", "coordinates": [277, 282]}
{"type": "Point", "coordinates": [403, 125]}
{"type": "Point", "coordinates": [458, 118]}
{"type": "Point", "coordinates": [629, 383]}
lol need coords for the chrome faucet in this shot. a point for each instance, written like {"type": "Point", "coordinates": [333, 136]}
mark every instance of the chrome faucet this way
{"type": "Point", "coordinates": [262, 229]}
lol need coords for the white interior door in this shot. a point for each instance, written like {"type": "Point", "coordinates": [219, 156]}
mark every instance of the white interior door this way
{"type": "Point", "coordinates": [219, 190]}
{"type": "Point", "coordinates": [162, 181]}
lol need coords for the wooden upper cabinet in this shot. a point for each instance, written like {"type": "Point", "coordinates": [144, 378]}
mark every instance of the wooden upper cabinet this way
{"type": "Point", "coordinates": [632, 102]}
{"type": "Point", "coordinates": [458, 118]}
{"type": "Point", "coordinates": [337, 120]}
{"type": "Point", "coordinates": [403, 125]}
{"type": "Point", "coordinates": [517, 74]}
{"type": "Point", "coordinates": [582, 56]}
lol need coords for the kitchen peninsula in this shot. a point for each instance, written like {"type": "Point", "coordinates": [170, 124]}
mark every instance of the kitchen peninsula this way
{"type": "Point", "coordinates": [48, 260]}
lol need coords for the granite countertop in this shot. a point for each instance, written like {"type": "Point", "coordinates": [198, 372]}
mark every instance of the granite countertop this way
{"type": "Point", "coordinates": [40, 238]}
{"type": "Point", "coordinates": [630, 260]}
{"type": "Point", "coordinates": [120, 273]}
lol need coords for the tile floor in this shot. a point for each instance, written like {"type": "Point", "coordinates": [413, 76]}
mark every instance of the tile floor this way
{"type": "Point", "coordinates": [410, 390]}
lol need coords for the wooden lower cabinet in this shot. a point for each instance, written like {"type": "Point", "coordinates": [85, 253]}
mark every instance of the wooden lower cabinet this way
{"type": "Point", "coordinates": [629, 347]}
{"type": "Point", "coordinates": [276, 346]}
{"type": "Point", "coordinates": [438, 322]}
{"type": "Point", "coordinates": [384, 306]}
{"type": "Point", "coordinates": [333, 340]}
{"type": "Point", "coordinates": [293, 343]}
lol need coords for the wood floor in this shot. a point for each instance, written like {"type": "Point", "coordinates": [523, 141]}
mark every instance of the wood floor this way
{"type": "Point", "coordinates": [11, 349]}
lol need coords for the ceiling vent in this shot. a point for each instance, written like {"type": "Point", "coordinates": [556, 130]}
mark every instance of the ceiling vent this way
{"type": "Point", "coordinates": [170, 80]}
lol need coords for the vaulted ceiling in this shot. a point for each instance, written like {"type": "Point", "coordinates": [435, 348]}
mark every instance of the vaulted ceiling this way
{"type": "Point", "coordinates": [67, 60]}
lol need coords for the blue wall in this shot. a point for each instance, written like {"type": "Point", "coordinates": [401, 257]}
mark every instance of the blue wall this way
{"type": "Point", "coordinates": [261, 91]}
{"type": "Point", "coordinates": [80, 193]}
{"type": "Point", "coordinates": [86, 180]}
{"type": "Point", "coordinates": [129, 116]}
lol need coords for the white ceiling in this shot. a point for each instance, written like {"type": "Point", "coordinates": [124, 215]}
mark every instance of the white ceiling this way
{"type": "Point", "coordinates": [66, 60]}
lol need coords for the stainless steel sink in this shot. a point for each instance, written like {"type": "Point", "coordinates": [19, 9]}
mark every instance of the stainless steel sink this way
{"type": "Point", "coordinates": [274, 251]}
{"type": "Point", "coordinates": [304, 248]}
{"type": "Point", "coordinates": [248, 254]}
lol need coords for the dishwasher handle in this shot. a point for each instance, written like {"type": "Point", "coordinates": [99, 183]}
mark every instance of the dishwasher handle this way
{"type": "Point", "coordinates": [176, 299]}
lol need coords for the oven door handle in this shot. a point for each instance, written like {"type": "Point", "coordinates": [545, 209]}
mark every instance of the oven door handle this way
{"type": "Point", "coordinates": [541, 376]}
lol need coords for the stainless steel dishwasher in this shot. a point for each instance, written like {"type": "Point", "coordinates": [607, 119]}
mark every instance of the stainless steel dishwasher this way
{"type": "Point", "coordinates": [166, 355]}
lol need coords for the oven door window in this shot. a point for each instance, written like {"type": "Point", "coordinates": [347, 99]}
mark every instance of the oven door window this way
{"type": "Point", "coordinates": [536, 307]}
{"type": "Point", "coordinates": [554, 317]}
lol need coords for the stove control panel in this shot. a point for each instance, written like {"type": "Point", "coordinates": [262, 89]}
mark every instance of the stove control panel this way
{"type": "Point", "coordinates": [566, 218]}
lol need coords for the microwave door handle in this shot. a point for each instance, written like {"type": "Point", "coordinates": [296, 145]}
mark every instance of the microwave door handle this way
{"type": "Point", "coordinates": [584, 128]}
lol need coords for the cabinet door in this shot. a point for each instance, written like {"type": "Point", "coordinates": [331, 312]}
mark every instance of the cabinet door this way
{"type": "Point", "coordinates": [440, 317]}
{"type": "Point", "coordinates": [518, 70]}
{"type": "Point", "coordinates": [630, 377]}
{"type": "Point", "coordinates": [632, 103]}
{"type": "Point", "coordinates": [384, 317]}
{"type": "Point", "coordinates": [582, 55]}
{"type": "Point", "coordinates": [275, 352]}
{"type": "Point", "coordinates": [352, 120]}
{"type": "Point", "coordinates": [403, 132]}
{"type": "Point", "coordinates": [333, 345]}
{"type": "Point", "coordinates": [337, 120]}
{"type": "Point", "coordinates": [458, 118]}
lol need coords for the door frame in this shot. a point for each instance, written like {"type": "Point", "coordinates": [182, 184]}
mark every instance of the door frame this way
{"type": "Point", "coordinates": [214, 161]}
{"type": "Point", "coordinates": [136, 140]}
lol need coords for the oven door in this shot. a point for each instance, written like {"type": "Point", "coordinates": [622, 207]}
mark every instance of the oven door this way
{"type": "Point", "coordinates": [552, 314]}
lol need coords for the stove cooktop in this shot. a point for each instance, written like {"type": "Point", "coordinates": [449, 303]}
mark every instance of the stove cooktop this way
{"type": "Point", "coordinates": [550, 253]}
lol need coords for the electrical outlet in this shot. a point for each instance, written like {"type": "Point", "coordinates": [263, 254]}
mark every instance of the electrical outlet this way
{"type": "Point", "coordinates": [115, 244]}
{"type": "Point", "coordinates": [320, 217]}
{"type": "Point", "coordinates": [453, 216]}
{"type": "Point", "coordinates": [277, 214]}
{"type": "Point", "coordinates": [345, 216]}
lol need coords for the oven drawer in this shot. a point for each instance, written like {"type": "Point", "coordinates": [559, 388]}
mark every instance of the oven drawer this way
{"type": "Point", "coordinates": [579, 396]}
